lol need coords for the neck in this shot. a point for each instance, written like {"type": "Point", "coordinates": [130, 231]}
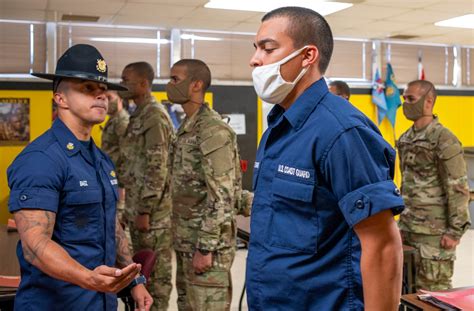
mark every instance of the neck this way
{"type": "Point", "coordinates": [299, 88]}
{"type": "Point", "coordinates": [190, 108]}
{"type": "Point", "coordinates": [80, 129]}
{"type": "Point", "coordinates": [142, 99]}
{"type": "Point", "coordinates": [422, 122]}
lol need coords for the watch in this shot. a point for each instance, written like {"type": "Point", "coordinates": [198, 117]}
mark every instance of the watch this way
{"type": "Point", "coordinates": [138, 280]}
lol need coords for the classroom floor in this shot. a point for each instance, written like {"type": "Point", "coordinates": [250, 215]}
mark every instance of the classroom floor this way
{"type": "Point", "coordinates": [463, 271]}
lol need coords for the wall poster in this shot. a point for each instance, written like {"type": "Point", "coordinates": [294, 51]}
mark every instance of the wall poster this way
{"type": "Point", "coordinates": [14, 121]}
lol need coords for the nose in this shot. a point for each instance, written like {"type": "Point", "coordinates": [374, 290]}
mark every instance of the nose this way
{"type": "Point", "coordinates": [255, 61]}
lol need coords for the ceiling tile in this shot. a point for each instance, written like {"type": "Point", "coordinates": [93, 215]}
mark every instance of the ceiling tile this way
{"type": "Point", "coordinates": [370, 11]}
{"type": "Point", "coordinates": [219, 15]}
{"type": "Point", "coordinates": [408, 4]}
{"type": "Point", "coordinates": [28, 15]}
{"type": "Point", "coordinates": [86, 7]}
{"type": "Point", "coordinates": [23, 4]}
{"type": "Point", "coordinates": [155, 10]}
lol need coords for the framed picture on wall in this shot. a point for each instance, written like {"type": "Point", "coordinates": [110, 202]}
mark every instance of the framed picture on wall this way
{"type": "Point", "coordinates": [14, 121]}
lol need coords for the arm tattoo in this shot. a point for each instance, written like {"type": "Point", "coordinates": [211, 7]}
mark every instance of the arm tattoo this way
{"type": "Point", "coordinates": [36, 229]}
{"type": "Point", "coordinates": [123, 253]}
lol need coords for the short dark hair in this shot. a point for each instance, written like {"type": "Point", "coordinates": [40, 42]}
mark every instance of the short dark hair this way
{"type": "Point", "coordinates": [307, 27]}
{"type": "Point", "coordinates": [342, 88]}
{"type": "Point", "coordinates": [143, 69]}
{"type": "Point", "coordinates": [426, 86]}
{"type": "Point", "coordinates": [197, 70]}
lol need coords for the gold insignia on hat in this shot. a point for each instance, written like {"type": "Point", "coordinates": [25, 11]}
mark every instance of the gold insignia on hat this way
{"type": "Point", "coordinates": [101, 65]}
{"type": "Point", "coordinates": [112, 173]}
{"type": "Point", "coordinates": [70, 146]}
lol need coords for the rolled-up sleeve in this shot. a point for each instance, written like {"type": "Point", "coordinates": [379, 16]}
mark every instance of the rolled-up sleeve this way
{"type": "Point", "coordinates": [359, 167]}
{"type": "Point", "coordinates": [35, 181]}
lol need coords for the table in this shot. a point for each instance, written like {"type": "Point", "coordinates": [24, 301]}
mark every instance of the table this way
{"type": "Point", "coordinates": [9, 264]}
{"type": "Point", "coordinates": [408, 286]}
{"type": "Point", "coordinates": [411, 302]}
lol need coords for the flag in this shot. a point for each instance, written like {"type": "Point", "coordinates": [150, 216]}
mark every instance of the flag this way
{"type": "Point", "coordinates": [421, 70]}
{"type": "Point", "coordinates": [392, 95]}
{"type": "Point", "coordinates": [378, 96]}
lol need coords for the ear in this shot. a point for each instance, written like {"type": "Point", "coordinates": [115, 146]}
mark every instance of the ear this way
{"type": "Point", "coordinates": [197, 86]}
{"type": "Point", "coordinates": [60, 100]}
{"type": "Point", "coordinates": [429, 103]}
{"type": "Point", "coordinates": [311, 55]}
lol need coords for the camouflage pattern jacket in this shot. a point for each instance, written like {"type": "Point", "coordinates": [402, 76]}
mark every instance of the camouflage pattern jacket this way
{"type": "Point", "coordinates": [112, 134]}
{"type": "Point", "coordinates": [144, 163]}
{"type": "Point", "coordinates": [434, 183]}
{"type": "Point", "coordinates": [206, 183]}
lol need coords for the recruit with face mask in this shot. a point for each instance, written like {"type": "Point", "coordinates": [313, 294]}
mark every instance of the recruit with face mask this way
{"type": "Point", "coordinates": [323, 236]}
{"type": "Point", "coordinates": [434, 188]}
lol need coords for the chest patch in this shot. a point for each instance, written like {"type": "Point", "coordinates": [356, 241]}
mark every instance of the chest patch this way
{"type": "Point", "coordinates": [293, 171]}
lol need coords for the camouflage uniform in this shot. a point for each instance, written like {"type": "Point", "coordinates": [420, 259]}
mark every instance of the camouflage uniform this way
{"type": "Point", "coordinates": [436, 195]}
{"type": "Point", "coordinates": [206, 191]}
{"type": "Point", "coordinates": [112, 135]}
{"type": "Point", "coordinates": [144, 170]}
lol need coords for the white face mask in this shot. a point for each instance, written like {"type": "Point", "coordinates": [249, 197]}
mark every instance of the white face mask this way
{"type": "Point", "coordinates": [270, 85]}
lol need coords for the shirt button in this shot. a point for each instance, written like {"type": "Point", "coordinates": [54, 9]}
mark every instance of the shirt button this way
{"type": "Point", "coordinates": [396, 191]}
{"type": "Point", "coordinates": [359, 204]}
{"type": "Point", "coordinates": [23, 197]}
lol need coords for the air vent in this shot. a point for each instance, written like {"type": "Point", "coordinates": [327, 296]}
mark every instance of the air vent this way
{"type": "Point", "coordinates": [80, 18]}
{"type": "Point", "coordinates": [403, 37]}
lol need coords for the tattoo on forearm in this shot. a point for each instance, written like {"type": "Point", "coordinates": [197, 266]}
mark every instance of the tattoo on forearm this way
{"type": "Point", "coordinates": [123, 253]}
{"type": "Point", "coordinates": [34, 243]}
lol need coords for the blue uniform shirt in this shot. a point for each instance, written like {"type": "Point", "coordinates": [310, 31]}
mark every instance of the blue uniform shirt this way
{"type": "Point", "coordinates": [321, 168]}
{"type": "Point", "coordinates": [56, 173]}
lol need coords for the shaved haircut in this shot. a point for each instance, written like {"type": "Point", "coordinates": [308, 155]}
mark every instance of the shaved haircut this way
{"type": "Point", "coordinates": [426, 87]}
{"type": "Point", "coordinates": [144, 70]}
{"type": "Point", "coordinates": [197, 70]}
{"type": "Point", "coordinates": [307, 27]}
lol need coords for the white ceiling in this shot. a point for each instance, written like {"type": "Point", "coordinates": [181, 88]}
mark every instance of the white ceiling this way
{"type": "Point", "coordinates": [370, 19]}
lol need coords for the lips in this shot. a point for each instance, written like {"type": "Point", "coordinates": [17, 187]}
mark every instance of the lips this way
{"type": "Point", "coordinates": [100, 106]}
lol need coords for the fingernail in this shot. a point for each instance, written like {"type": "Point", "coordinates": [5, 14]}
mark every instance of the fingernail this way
{"type": "Point", "coordinates": [118, 272]}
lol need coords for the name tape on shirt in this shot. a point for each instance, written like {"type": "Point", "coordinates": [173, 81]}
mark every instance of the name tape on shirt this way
{"type": "Point", "coordinates": [113, 182]}
{"type": "Point", "coordinates": [293, 171]}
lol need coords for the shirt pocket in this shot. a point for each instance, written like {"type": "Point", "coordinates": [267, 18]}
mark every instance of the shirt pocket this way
{"type": "Point", "coordinates": [82, 216]}
{"type": "Point", "coordinates": [293, 223]}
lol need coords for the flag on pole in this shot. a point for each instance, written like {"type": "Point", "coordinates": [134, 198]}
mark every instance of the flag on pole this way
{"type": "Point", "coordinates": [421, 70]}
{"type": "Point", "coordinates": [378, 96]}
{"type": "Point", "coordinates": [392, 95]}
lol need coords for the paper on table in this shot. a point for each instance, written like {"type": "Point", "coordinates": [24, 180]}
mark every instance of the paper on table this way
{"type": "Point", "coordinates": [462, 298]}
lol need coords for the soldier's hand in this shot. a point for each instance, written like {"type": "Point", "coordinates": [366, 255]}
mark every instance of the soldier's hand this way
{"type": "Point", "coordinates": [201, 263]}
{"type": "Point", "coordinates": [448, 242]}
{"type": "Point", "coordinates": [111, 280]}
{"type": "Point", "coordinates": [142, 298]}
{"type": "Point", "coordinates": [142, 222]}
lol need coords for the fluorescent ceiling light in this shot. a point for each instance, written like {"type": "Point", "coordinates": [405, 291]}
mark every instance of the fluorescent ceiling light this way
{"type": "Point", "coordinates": [186, 36]}
{"type": "Point", "coordinates": [131, 40]}
{"type": "Point", "coordinates": [322, 7]}
{"type": "Point", "coordinates": [465, 21]}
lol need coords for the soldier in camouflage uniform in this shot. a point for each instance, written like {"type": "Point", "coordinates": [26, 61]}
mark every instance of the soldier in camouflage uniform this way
{"type": "Point", "coordinates": [144, 170]}
{"type": "Point", "coordinates": [206, 190]}
{"type": "Point", "coordinates": [434, 188]}
{"type": "Point", "coordinates": [112, 136]}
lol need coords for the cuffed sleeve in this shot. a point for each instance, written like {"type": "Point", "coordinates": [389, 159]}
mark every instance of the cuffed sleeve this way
{"type": "Point", "coordinates": [370, 200]}
{"type": "Point", "coordinates": [359, 167]}
{"type": "Point", "coordinates": [34, 181]}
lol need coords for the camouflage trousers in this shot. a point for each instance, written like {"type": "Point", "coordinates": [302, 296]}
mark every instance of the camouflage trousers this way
{"type": "Point", "coordinates": [211, 290]}
{"type": "Point", "coordinates": [159, 284]}
{"type": "Point", "coordinates": [434, 265]}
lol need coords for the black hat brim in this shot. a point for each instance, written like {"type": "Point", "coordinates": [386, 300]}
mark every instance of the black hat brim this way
{"type": "Point", "coordinates": [110, 86]}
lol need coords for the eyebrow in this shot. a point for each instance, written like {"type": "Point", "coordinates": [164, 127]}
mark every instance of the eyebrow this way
{"type": "Point", "coordinates": [264, 41]}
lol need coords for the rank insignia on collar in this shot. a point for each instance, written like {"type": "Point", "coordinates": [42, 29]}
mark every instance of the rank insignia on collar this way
{"type": "Point", "coordinates": [112, 173]}
{"type": "Point", "coordinates": [70, 146]}
{"type": "Point", "coordinates": [101, 65]}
